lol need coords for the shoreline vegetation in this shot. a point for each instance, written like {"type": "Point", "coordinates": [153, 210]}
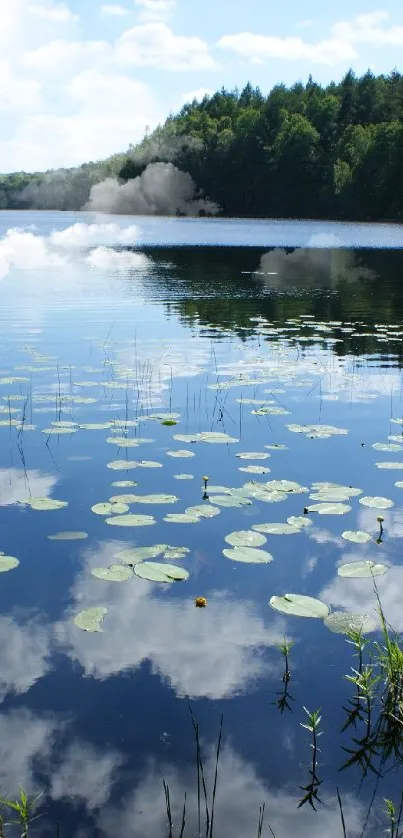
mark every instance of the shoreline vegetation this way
{"type": "Point", "coordinates": [330, 152]}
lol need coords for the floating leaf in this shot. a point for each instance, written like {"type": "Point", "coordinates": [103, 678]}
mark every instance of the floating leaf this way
{"type": "Point", "coordinates": [376, 502]}
{"type": "Point", "coordinates": [184, 476]}
{"type": "Point", "coordinates": [255, 469]}
{"type": "Point", "coordinates": [277, 447]}
{"type": "Point", "coordinates": [95, 426]}
{"type": "Point", "coordinates": [288, 486]}
{"type": "Point", "coordinates": [159, 572]}
{"type": "Point", "coordinates": [110, 508]}
{"type": "Point", "coordinates": [149, 464]}
{"type": "Point", "coordinates": [399, 484]}
{"type": "Point", "coordinates": [45, 504]}
{"type": "Point", "coordinates": [215, 437]}
{"type": "Point", "coordinates": [253, 455]}
{"type": "Point", "coordinates": [394, 465]}
{"type": "Point", "coordinates": [13, 379]}
{"type": "Point", "coordinates": [181, 518]}
{"type": "Point", "coordinates": [59, 431]}
{"type": "Point", "coordinates": [133, 555]}
{"type": "Point", "coordinates": [329, 508]}
{"type": "Point", "coordinates": [342, 623]}
{"type": "Point", "coordinates": [176, 552]}
{"type": "Point", "coordinates": [123, 442]}
{"type": "Point", "coordinates": [8, 563]}
{"type": "Point", "coordinates": [362, 570]}
{"type": "Point", "coordinates": [249, 555]}
{"type": "Point", "coordinates": [230, 500]}
{"type": "Point", "coordinates": [152, 499]}
{"type": "Point", "coordinates": [131, 521]}
{"type": "Point", "coordinates": [180, 453]}
{"type": "Point", "coordinates": [185, 438]}
{"type": "Point", "coordinates": [204, 510]}
{"type": "Point", "coordinates": [68, 536]}
{"type": "Point", "coordinates": [357, 536]}
{"type": "Point", "coordinates": [277, 529]}
{"type": "Point", "coordinates": [91, 619]}
{"type": "Point", "coordinates": [245, 538]}
{"type": "Point", "coordinates": [122, 465]}
{"type": "Point", "coordinates": [298, 605]}
{"type": "Point", "coordinates": [124, 484]}
{"type": "Point", "coordinates": [299, 521]}
{"type": "Point", "coordinates": [325, 495]}
{"type": "Point", "coordinates": [383, 446]}
{"type": "Point", "coordinates": [114, 573]}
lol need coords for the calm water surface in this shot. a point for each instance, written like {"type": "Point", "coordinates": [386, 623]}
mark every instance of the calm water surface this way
{"type": "Point", "coordinates": [110, 322]}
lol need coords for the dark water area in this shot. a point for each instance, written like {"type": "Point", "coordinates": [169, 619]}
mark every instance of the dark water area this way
{"type": "Point", "coordinates": [110, 328]}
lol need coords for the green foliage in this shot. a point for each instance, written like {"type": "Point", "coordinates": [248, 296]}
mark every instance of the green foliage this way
{"type": "Point", "coordinates": [303, 151]}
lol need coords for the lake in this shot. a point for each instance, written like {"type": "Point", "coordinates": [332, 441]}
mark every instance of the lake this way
{"type": "Point", "coordinates": [140, 356]}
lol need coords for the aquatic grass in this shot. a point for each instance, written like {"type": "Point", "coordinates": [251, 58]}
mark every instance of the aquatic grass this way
{"type": "Point", "coordinates": [283, 702]}
{"type": "Point", "coordinates": [312, 725]}
{"type": "Point", "coordinates": [25, 808]}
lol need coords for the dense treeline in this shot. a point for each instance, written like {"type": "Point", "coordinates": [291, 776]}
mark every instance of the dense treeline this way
{"type": "Point", "coordinates": [303, 151]}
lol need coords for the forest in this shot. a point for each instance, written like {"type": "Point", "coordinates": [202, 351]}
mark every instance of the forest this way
{"type": "Point", "coordinates": [306, 151]}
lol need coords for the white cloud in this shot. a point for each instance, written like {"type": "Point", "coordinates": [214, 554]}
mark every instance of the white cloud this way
{"type": "Point", "coordinates": [86, 774]}
{"type": "Point", "coordinates": [240, 793]}
{"type": "Point", "coordinates": [259, 48]}
{"type": "Point", "coordinates": [57, 13]}
{"type": "Point", "coordinates": [58, 57]}
{"type": "Point", "coordinates": [151, 10]}
{"type": "Point", "coordinates": [230, 645]}
{"type": "Point", "coordinates": [114, 10]}
{"type": "Point", "coordinates": [24, 655]}
{"type": "Point", "coordinates": [366, 29]}
{"type": "Point", "coordinates": [18, 93]}
{"type": "Point", "coordinates": [156, 45]}
{"type": "Point", "coordinates": [24, 738]}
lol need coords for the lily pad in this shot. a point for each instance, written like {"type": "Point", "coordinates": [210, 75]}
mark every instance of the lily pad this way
{"type": "Point", "coordinates": [68, 536]}
{"type": "Point", "coordinates": [95, 426]}
{"type": "Point", "coordinates": [376, 502]}
{"type": "Point", "coordinates": [110, 508]}
{"type": "Point", "coordinates": [184, 476]}
{"type": "Point", "coordinates": [114, 573]}
{"type": "Point", "coordinates": [182, 518]}
{"type": "Point", "coordinates": [215, 437]}
{"type": "Point", "coordinates": [362, 570]}
{"type": "Point", "coordinates": [122, 465]}
{"type": "Point", "coordinates": [91, 619]}
{"type": "Point", "coordinates": [340, 622]}
{"type": "Point", "coordinates": [230, 500]}
{"type": "Point", "coordinates": [255, 469]}
{"type": "Point", "coordinates": [277, 529]}
{"type": "Point", "coordinates": [205, 510]}
{"type": "Point", "coordinates": [176, 552]}
{"type": "Point", "coordinates": [149, 464]}
{"type": "Point", "coordinates": [245, 538]}
{"type": "Point", "coordinates": [149, 499]}
{"type": "Point", "coordinates": [383, 446]}
{"type": "Point", "coordinates": [253, 455]}
{"type": "Point", "coordinates": [249, 555]}
{"type": "Point", "coordinates": [357, 536]}
{"type": "Point", "coordinates": [329, 508]}
{"type": "Point", "coordinates": [123, 442]}
{"type": "Point", "coordinates": [59, 431]}
{"type": "Point", "coordinates": [180, 454]}
{"type": "Point", "coordinates": [298, 605]}
{"type": "Point", "coordinates": [133, 555]}
{"type": "Point", "coordinates": [124, 484]}
{"type": "Point", "coordinates": [288, 486]}
{"type": "Point", "coordinates": [299, 521]}
{"type": "Point", "coordinates": [45, 504]}
{"type": "Point", "coordinates": [277, 447]}
{"type": "Point", "coordinates": [131, 521]}
{"type": "Point", "coordinates": [8, 563]}
{"type": "Point", "coordinates": [392, 465]}
{"type": "Point", "coordinates": [159, 572]}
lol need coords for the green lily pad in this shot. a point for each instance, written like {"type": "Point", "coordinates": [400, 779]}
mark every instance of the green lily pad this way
{"type": "Point", "coordinates": [45, 504]}
{"type": "Point", "coordinates": [341, 622]}
{"type": "Point", "coordinates": [330, 495]}
{"type": "Point", "coordinates": [357, 536]}
{"type": "Point", "coordinates": [253, 455]}
{"type": "Point", "coordinates": [95, 426]}
{"type": "Point", "coordinates": [329, 508]}
{"type": "Point", "coordinates": [131, 521]}
{"type": "Point", "coordinates": [59, 431]}
{"type": "Point", "coordinates": [149, 464]}
{"type": "Point", "coordinates": [8, 563]}
{"type": "Point", "coordinates": [133, 555]}
{"type": "Point", "coordinates": [61, 423]}
{"type": "Point", "coordinates": [176, 552]}
{"type": "Point", "coordinates": [68, 536]}
{"type": "Point", "coordinates": [298, 605]}
{"type": "Point", "coordinates": [277, 447]}
{"type": "Point", "coordinates": [159, 572]}
{"type": "Point", "coordinates": [245, 538]}
{"type": "Point", "coordinates": [184, 476]}
{"type": "Point", "coordinates": [204, 510]}
{"type": "Point", "coordinates": [124, 484]}
{"type": "Point", "coordinates": [399, 484]}
{"type": "Point", "coordinates": [277, 529]}
{"type": "Point", "coordinates": [13, 379]}
{"type": "Point", "coordinates": [230, 500]}
{"type": "Point", "coordinates": [114, 573]}
{"type": "Point", "coordinates": [255, 469]}
{"type": "Point", "coordinates": [180, 454]}
{"type": "Point", "coordinates": [249, 555]}
{"type": "Point", "coordinates": [122, 465]}
{"type": "Point", "coordinates": [182, 518]}
{"type": "Point", "coordinates": [394, 465]}
{"type": "Point", "coordinates": [383, 446]}
{"type": "Point", "coordinates": [215, 437]}
{"type": "Point", "coordinates": [362, 570]}
{"type": "Point", "coordinates": [122, 441]}
{"type": "Point", "coordinates": [288, 486]}
{"type": "Point", "coordinates": [110, 508]}
{"type": "Point", "coordinates": [148, 499]}
{"type": "Point", "coordinates": [299, 521]}
{"type": "Point", "coordinates": [91, 619]}
{"type": "Point", "coordinates": [376, 502]}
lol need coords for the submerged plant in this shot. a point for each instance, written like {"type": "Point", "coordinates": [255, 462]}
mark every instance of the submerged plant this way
{"type": "Point", "coordinates": [283, 702]}
{"type": "Point", "coordinates": [312, 788]}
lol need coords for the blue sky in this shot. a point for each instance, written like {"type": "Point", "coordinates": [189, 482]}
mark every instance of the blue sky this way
{"type": "Point", "coordinates": [82, 79]}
